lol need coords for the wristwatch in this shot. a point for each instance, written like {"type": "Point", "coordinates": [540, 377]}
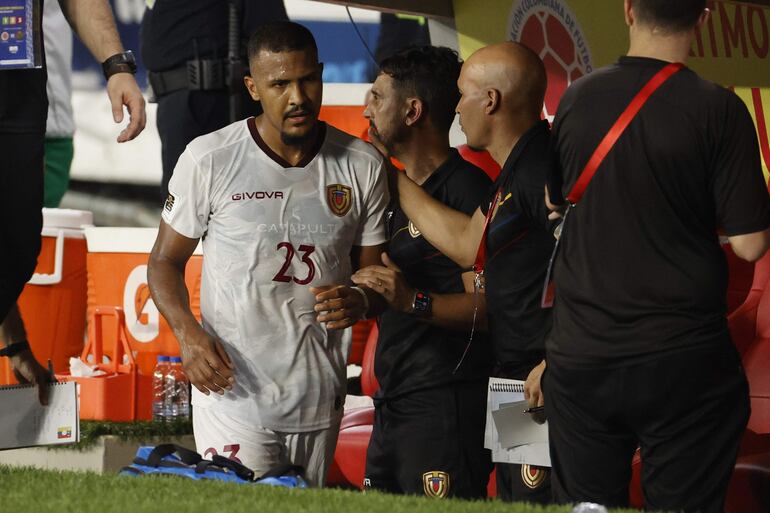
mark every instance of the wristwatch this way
{"type": "Point", "coordinates": [421, 304]}
{"type": "Point", "coordinates": [119, 63]}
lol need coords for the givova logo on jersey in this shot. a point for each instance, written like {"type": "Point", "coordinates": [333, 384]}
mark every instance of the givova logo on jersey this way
{"type": "Point", "coordinates": [550, 29]}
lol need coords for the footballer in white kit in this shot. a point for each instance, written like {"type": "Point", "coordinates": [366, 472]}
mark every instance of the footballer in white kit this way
{"type": "Point", "coordinates": [275, 234]}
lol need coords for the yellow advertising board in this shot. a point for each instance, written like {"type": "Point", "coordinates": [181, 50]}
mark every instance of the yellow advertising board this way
{"type": "Point", "coordinates": [574, 37]}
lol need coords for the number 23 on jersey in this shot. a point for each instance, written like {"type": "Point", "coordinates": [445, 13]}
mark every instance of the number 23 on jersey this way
{"type": "Point", "coordinates": [304, 250]}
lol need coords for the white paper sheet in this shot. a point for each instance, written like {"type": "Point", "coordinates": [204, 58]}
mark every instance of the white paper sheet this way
{"type": "Point", "coordinates": [24, 422]}
{"type": "Point", "coordinates": [513, 437]}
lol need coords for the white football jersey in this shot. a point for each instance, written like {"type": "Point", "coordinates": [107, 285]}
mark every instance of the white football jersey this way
{"type": "Point", "coordinates": [270, 232]}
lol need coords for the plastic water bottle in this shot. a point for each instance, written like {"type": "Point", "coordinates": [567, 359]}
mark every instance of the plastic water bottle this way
{"type": "Point", "coordinates": [181, 402]}
{"type": "Point", "coordinates": [158, 389]}
{"type": "Point", "coordinates": [169, 394]}
{"type": "Point", "coordinates": [589, 507]}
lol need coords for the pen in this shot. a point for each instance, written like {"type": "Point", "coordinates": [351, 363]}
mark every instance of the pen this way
{"type": "Point", "coordinates": [536, 409]}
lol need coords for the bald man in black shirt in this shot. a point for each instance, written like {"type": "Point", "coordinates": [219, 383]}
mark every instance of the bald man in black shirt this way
{"type": "Point", "coordinates": [502, 88]}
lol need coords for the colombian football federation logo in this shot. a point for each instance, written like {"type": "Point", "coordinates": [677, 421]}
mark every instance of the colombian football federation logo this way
{"type": "Point", "coordinates": [64, 432]}
{"type": "Point", "coordinates": [533, 477]}
{"type": "Point", "coordinates": [435, 483]}
{"type": "Point", "coordinates": [340, 198]}
{"type": "Point", "coordinates": [413, 231]}
{"type": "Point", "coordinates": [550, 28]}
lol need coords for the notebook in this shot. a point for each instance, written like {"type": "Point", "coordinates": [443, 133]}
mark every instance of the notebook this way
{"type": "Point", "coordinates": [511, 435]}
{"type": "Point", "coordinates": [24, 422]}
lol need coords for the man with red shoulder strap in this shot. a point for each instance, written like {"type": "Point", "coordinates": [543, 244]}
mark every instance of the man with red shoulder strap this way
{"type": "Point", "coordinates": [640, 354]}
{"type": "Point", "coordinates": [502, 88]}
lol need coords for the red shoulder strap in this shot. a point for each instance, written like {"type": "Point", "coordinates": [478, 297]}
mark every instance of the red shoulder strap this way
{"type": "Point", "coordinates": [481, 254]}
{"type": "Point", "coordinates": [618, 128]}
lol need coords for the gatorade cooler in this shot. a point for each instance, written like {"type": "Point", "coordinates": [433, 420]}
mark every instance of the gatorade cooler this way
{"type": "Point", "coordinates": [117, 277]}
{"type": "Point", "coordinates": [53, 303]}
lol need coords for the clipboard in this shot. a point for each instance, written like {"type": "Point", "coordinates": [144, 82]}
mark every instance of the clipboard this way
{"type": "Point", "coordinates": [512, 436]}
{"type": "Point", "coordinates": [24, 422]}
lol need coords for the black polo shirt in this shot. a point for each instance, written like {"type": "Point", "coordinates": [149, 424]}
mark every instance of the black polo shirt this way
{"type": "Point", "coordinates": [171, 26]}
{"type": "Point", "coordinates": [412, 354]}
{"type": "Point", "coordinates": [519, 246]}
{"type": "Point", "coordinates": [640, 272]}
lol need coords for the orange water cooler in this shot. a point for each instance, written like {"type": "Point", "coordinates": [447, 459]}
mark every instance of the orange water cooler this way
{"type": "Point", "coordinates": [53, 303]}
{"type": "Point", "coordinates": [117, 277]}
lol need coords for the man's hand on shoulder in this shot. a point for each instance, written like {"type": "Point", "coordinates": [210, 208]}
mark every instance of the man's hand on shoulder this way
{"type": "Point", "coordinates": [123, 90]}
{"type": "Point", "coordinates": [205, 362]}
{"type": "Point", "coordinates": [339, 306]}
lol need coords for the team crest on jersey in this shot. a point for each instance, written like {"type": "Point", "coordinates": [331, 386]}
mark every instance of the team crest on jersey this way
{"type": "Point", "coordinates": [435, 483]}
{"type": "Point", "coordinates": [533, 477]}
{"type": "Point", "coordinates": [340, 198]}
{"type": "Point", "coordinates": [413, 231]}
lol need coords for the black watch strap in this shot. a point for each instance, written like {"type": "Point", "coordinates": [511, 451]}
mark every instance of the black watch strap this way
{"type": "Point", "coordinates": [119, 63]}
{"type": "Point", "coordinates": [14, 349]}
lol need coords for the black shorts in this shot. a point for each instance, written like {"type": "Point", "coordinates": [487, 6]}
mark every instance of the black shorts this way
{"type": "Point", "coordinates": [21, 219]}
{"type": "Point", "coordinates": [431, 442]}
{"type": "Point", "coordinates": [686, 412]}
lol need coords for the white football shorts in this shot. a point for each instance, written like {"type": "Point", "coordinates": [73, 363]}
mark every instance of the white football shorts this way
{"type": "Point", "coordinates": [260, 448]}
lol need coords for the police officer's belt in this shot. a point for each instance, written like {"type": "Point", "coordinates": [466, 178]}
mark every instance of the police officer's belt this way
{"type": "Point", "coordinates": [196, 75]}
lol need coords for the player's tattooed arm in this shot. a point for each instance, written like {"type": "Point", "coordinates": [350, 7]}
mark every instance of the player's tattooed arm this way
{"type": "Point", "coordinates": [453, 311]}
{"type": "Point", "coordinates": [204, 359]}
{"type": "Point", "coordinates": [341, 306]}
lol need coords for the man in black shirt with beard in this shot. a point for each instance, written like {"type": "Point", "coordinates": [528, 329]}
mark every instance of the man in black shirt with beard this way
{"type": "Point", "coordinates": [640, 353]}
{"type": "Point", "coordinates": [429, 424]}
{"type": "Point", "coordinates": [502, 88]}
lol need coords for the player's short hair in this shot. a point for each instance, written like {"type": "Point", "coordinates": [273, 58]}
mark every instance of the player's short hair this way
{"type": "Point", "coordinates": [281, 36]}
{"type": "Point", "coordinates": [676, 16]}
{"type": "Point", "coordinates": [430, 73]}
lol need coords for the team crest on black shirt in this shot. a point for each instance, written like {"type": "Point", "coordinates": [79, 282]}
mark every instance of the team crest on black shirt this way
{"type": "Point", "coordinates": [340, 198]}
{"type": "Point", "coordinates": [435, 483]}
{"type": "Point", "coordinates": [533, 477]}
{"type": "Point", "coordinates": [413, 231]}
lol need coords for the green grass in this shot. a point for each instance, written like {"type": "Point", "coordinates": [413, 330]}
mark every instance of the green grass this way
{"type": "Point", "coordinates": [27, 490]}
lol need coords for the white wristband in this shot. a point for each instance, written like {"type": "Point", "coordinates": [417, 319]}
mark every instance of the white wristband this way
{"type": "Point", "coordinates": [366, 300]}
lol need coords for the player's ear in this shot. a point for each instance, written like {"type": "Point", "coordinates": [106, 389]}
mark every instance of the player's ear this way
{"type": "Point", "coordinates": [415, 111]}
{"type": "Point", "coordinates": [251, 87]}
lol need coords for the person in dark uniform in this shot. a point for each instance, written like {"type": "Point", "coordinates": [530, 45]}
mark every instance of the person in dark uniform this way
{"type": "Point", "coordinates": [174, 34]}
{"type": "Point", "coordinates": [503, 87]}
{"type": "Point", "coordinates": [640, 353]}
{"type": "Point", "coordinates": [23, 111]}
{"type": "Point", "coordinates": [428, 435]}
